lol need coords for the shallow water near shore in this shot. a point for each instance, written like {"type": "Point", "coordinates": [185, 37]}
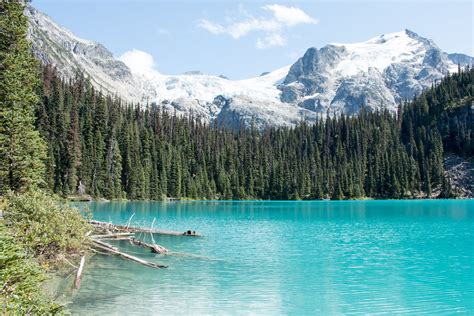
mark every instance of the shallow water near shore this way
{"type": "Point", "coordinates": [261, 257]}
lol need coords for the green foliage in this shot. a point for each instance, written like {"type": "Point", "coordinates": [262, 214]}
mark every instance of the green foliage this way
{"type": "Point", "coordinates": [125, 150]}
{"type": "Point", "coordinates": [47, 228]}
{"type": "Point", "coordinates": [21, 148]}
{"type": "Point", "coordinates": [35, 229]}
{"type": "Point", "coordinates": [444, 114]}
{"type": "Point", "coordinates": [36, 232]}
{"type": "Point", "coordinates": [21, 279]}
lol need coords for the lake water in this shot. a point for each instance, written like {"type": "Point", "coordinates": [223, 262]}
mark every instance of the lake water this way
{"type": "Point", "coordinates": [299, 258]}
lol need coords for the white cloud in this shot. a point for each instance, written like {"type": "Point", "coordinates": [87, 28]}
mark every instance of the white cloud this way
{"type": "Point", "coordinates": [289, 16]}
{"type": "Point", "coordinates": [138, 61]}
{"type": "Point", "coordinates": [270, 40]}
{"type": "Point", "coordinates": [212, 27]}
{"type": "Point", "coordinates": [240, 29]}
{"type": "Point", "coordinates": [281, 17]}
{"type": "Point", "coordinates": [164, 32]}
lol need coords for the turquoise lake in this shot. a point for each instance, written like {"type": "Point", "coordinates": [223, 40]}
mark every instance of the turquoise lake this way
{"type": "Point", "coordinates": [298, 258]}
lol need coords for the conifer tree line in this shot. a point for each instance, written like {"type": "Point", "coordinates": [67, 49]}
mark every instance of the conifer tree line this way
{"type": "Point", "coordinates": [121, 150]}
{"type": "Point", "coordinates": [21, 147]}
{"type": "Point", "coordinates": [36, 229]}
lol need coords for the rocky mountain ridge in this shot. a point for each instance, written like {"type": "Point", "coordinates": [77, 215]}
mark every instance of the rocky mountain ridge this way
{"type": "Point", "coordinates": [336, 78]}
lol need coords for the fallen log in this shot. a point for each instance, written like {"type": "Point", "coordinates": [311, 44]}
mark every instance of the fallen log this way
{"type": "Point", "coordinates": [153, 247]}
{"type": "Point", "coordinates": [69, 262]}
{"type": "Point", "coordinates": [115, 235]}
{"type": "Point", "coordinates": [77, 281]}
{"type": "Point", "coordinates": [116, 238]}
{"type": "Point", "coordinates": [103, 244]}
{"type": "Point", "coordinates": [101, 253]}
{"type": "Point", "coordinates": [109, 248]}
{"type": "Point", "coordinates": [132, 229]}
{"type": "Point", "coordinates": [130, 220]}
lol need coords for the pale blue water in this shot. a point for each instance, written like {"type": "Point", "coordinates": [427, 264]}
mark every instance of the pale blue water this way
{"type": "Point", "coordinates": [299, 258]}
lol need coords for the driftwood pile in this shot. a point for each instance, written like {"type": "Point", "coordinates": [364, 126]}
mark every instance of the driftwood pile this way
{"type": "Point", "coordinates": [109, 231]}
{"type": "Point", "coordinates": [104, 232]}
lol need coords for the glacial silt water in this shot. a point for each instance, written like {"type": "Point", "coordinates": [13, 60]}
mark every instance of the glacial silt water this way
{"type": "Point", "coordinates": [299, 258]}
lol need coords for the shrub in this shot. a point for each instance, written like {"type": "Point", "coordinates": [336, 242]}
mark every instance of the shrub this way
{"type": "Point", "coordinates": [20, 279]}
{"type": "Point", "coordinates": [46, 226]}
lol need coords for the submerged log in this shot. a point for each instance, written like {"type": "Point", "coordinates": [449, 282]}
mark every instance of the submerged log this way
{"type": "Point", "coordinates": [77, 281]}
{"type": "Point", "coordinates": [104, 246]}
{"type": "Point", "coordinates": [132, 229]}
{"type": "Point", "coordinates": [111, 236]}
{"type": "Point", "coordinates": [153, 247]}
{"type": "Point", "coordinates": [115, 238]}
{"type": "Point", "coordinates": [100, 252]}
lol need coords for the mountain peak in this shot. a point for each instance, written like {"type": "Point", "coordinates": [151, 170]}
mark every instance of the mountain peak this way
{"type": "Point", "coordinates": [400, 37]}
{"type": "Point", "coordinates": [411, 33]}
{"type": "Point", "coordinates": [336, 78]}
{"type": "Point", "coordinates": [377, 73]}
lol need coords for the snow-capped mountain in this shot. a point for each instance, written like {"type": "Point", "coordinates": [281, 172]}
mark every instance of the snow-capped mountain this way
{"type": "Point", "coordinates": [335, 78]}
{"type": "Point", "coordinates": [378, 73]}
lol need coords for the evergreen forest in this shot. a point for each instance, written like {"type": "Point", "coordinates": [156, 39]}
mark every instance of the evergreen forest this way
{"type": "Point", "coordinates": [118, 150]}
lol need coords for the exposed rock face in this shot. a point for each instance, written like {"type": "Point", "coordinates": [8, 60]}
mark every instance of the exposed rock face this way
{"type": "Point", "coordinates": [70, 54]}
{"type": "Point", "coordinates": [461, 59]}
{"type": "Point", "coordinates": [376, 74]}
{"type": "Point", "coordinates": [460, 171]}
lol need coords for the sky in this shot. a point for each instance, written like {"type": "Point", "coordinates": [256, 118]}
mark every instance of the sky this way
{"type": "Point", "coordinates": [242, 39]}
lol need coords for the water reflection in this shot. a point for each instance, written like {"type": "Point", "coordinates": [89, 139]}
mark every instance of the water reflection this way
{"type": "Point", "coordinates": [287, 210]}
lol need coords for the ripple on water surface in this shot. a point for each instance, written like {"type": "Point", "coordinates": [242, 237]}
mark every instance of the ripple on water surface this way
{"type": "Point", "coordinates": [352, 257]}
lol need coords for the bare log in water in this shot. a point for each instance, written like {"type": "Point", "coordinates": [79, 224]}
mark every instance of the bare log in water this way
{"type": "Point", "coordinates": [153, 247]}
{"type": "Point", "coordinates": [130, 220]}
{"type": "Point", "coordinates": [69, 262]}
{"type": "Point", "coordinates": [104, 246]}
{"type": "Point", "coordinates": [151, 229]}
{"type": "Point", "coordinates": [120, 232]}
{"type": "Point", "coordinates": [111, 236]}
{"type": "Point", "coordinates": [131, 229]}
{"type": "Point", "coordinates": [100, 252]}
{"type": "Point", "coordinates": [77, 281]}
{"type": "Point", "coordinates": [116, 238]}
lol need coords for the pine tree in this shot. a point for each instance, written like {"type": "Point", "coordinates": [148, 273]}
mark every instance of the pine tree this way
{"type": "Point", "coordinates": [73, 150]}
{"type": "Point", "coordinates": [150, 153]}
{"type": "Point", "coordinates": [21, 148]}
{"type": "Point", "coordinates": [175, 178]}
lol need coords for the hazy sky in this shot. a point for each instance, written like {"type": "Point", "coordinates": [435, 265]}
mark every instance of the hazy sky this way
{"type": "Point", "coordinates": [242, 39]}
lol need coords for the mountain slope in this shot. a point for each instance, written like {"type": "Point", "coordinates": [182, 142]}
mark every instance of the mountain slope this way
{"type": "Point", "coordinates": [55, 45]}
{"type": "Point", "coordinates": [378, 73]}
{"type": "Point", "coordinates": [336, 78]}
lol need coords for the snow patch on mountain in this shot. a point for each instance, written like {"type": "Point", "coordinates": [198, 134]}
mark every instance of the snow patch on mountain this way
{"type": "Point", "coordinates": [379, 53]}
{"type": "Point", "coordinates": [194, 92]}
{"type": "Point", "coordinates": [337, 78]}
{"type": "Point", "coordinates": [376, 74]}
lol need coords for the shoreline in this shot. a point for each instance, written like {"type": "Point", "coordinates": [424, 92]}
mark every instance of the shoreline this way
{"type": "Point", "coordinates": [102, 200]}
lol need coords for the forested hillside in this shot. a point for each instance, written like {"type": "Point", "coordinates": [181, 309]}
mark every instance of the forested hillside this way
{"type": "Point", "coordinates": [119, 150]}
